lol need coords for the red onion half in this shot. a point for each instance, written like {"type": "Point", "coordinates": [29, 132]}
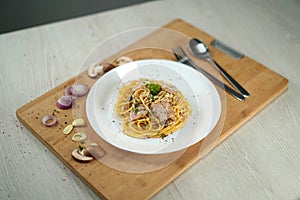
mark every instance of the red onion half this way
{"type": "Point", "coordinates": [69, 92]}
{"type": "Point", "coordinates": [65, 102]}
{"type": "Point", "coordinates": [80, 89]}
{"type": "Point", "coordinates": [49, 120]}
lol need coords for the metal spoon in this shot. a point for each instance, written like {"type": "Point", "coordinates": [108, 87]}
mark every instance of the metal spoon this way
{"type": "Point", "coordinates": [200, 50]}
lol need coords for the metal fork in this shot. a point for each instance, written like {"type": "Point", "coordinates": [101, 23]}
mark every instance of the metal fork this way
{"type": "Point", "coordinates": [182, 57]}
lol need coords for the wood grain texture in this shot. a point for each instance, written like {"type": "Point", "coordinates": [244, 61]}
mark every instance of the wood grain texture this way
{"type": "Point", "coordinates": [259, 161]}
{"type": "Point", "coordinates": [264, 84]}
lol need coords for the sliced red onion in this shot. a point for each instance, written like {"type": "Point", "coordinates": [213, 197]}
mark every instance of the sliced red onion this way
{"type": "Point", "coordinates": [80, 89]}
{"type": "Point", "coordinates": [70, 92]}
{"type": "Point", "coordinates": [65, 102]}
{"type": "Point", "coordinates": [49, 120]}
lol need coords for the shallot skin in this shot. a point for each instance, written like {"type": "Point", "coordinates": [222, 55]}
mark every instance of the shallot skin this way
{"type": "Point", "coordinates": [47, 118]}
{"type": "Point", "coordinates": [65, 102]}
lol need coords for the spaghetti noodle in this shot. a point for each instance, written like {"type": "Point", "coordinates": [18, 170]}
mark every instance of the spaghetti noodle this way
{"type": "Point", "coordinates": [151, 108]}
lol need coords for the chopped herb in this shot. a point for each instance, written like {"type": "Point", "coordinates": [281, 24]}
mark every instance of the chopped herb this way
{"type": "Point", "coordinates": [136, 110]}
{"type": "Point", "coordinates": [135, 103]}
{"type": "Point", "coordinates": [80, 148]}
{"type": "Point", "coordinates": [152, 98]}
{"type": "Point", "coordinates": [154, 88]}
{"type": "Point", "coordinates": [161, 135]}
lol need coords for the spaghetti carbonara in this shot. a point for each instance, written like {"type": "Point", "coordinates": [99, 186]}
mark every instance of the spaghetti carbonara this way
{"type": "Point", "coordinates": [151, 108]}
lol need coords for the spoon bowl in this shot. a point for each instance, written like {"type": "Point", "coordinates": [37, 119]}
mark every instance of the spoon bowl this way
{"type": "Point", "coordinates": [200, 50]}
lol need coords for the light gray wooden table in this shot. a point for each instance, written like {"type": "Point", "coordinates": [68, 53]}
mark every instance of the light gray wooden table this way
{"type": "Point", "coordinates": [259, 161]}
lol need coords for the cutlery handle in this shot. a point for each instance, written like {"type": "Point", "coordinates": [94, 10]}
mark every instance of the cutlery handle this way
{"type": "Point", "coordinates": [229, 78]}
{"type": "Point", "coordinates": [219, 83]}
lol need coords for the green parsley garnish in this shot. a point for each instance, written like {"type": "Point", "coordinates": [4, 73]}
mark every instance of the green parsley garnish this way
{"type": "Point", "coordinates": [136, 110]}
{"type": "Point", "coordinates": [80, 148]}
{"type": "Point", "coordinates": [135, 103]}
{"type": "Point", "coordinates": [154, 88]}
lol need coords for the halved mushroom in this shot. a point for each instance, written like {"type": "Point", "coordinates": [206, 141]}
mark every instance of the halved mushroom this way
{"type": "Point", "coordinates": [123, 60]}
{"type": "Point", "coordinates": [95, 150]}
{"type": "Point", "coordinates": [108, 66]}
{"type": "Point", "coordinates": [95, 69]}
{"type": "Point", "coordinates": [81, 155]}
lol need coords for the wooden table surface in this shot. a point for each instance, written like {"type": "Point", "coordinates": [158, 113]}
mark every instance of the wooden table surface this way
{"type": "Point", "coordinates": [259, 161]}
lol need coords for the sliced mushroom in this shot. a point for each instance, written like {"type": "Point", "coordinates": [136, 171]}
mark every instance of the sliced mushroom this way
{"type": "Point", "coordinates": [99, 69]}
{"type": "Point", "coordinates": [95, 150]}
{"type": "Point", "coordinates": [108, 66]}
{"type": "Point", "coordinates": [95, 70]}
{"type": "Point", "coordinates": [123, 60]}
{"type": "Point", "coordinates": [81, 155]}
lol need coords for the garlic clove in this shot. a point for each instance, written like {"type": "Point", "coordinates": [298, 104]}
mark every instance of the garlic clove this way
{"type": "Point", "coordinates": [78, 122]}
{"type": "Point", "coordinates": [77, 137]}
{"type": "Point", "coordinates": [67, 130]}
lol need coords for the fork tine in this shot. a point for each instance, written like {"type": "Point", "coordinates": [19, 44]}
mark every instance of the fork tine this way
{"type": "Point", "coordinates": [182, 51]}
{"type": "Point", "coordinates": [180, 54]}
{"type": "Point", "coordinates": [176, 54]}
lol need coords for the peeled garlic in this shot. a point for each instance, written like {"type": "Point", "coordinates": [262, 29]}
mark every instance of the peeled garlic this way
{"type": "Point", "coordinates": [78, 122]}
{"type": "Point", "coordinates": [77, 137]}
{"type": "Point", "coordinates": [67, 130]}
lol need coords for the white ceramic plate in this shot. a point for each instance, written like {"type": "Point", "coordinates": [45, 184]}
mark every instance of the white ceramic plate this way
{"type": "Point", "coordinates": [199, 91]}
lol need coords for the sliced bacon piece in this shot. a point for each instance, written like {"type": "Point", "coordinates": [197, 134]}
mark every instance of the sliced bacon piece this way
{"type": "Point", "coordinates": [159, 112]}
{"type": "Point", "coordinates": [162, 111]}
{"type": "Point", "coordinates": [169, 110]}
{"type": "Point", "coordinates": [138, 113]}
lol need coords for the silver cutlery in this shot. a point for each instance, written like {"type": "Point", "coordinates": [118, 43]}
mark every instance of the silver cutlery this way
{"type": "Point", "coordinates": [200, 50]}
{"type": "Point", "coordinates": [182, 57]}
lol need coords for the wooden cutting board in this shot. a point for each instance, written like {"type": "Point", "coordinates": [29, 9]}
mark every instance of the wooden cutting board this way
{"type": "Point", "coordinates": [108, 182]}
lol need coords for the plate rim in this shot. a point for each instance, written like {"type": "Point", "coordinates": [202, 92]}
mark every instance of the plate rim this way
{"type": "Point", "coordinates": [152, 61]}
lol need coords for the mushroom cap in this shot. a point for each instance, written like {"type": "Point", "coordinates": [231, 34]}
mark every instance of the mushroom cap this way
{"type": "Point", "coordinates": [80, 156]}
{"type": "Point", "coordinates": [95, 150]}
{"type": "Point", "coordinates": [123, 60]}
{"type": "Point", "coordinates": [95, 69]}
